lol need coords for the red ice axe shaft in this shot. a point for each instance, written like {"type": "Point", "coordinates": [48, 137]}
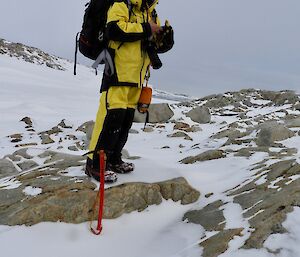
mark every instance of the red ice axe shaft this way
{"type": "Point", "coordinates": [102, 160]}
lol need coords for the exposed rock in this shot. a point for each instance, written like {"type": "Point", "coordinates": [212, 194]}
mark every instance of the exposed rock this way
{"type": "Point", "coordinates": [54, 130]}
{"type": "Point", "coordinates": [27, 144]}
{"type": "Point", "coordinates": [87, 128]}
{"type": "Point", "coordinates": [181, 134]}
{"type": "Point", "coordinates": [218, 243]}
{"type": "Point", "coordinates": [266, 205]}
{"type": "Point", "coordinates": [23, 153]}
{"type": "Point", "coordinates": [280, 98]}
{"type": "Point", "coordinates": [15, 138]}
{"type": "Point", "coordinates": [62, 160]}
{"type": "Point", "coordinates": [148, 129]}
{"type": "Point", "coordinates": [73, 148]}
{"type": "Point", "coordinates": [292, 123]}
{"type": "Point", "coordinates": [64, 125]}
{"type": "Point", "coordinates": [70, 199]}
{"type": "Point", "coordinates": [178, 190]}
{"type": "Point", "coordinates": [200, 114]}
{"type": "Point", "coordinates": [206, 156]}
{"type": "Point", "coordinates": [158, 113]}
{"type": "Point", "coordinates": [7, 168]}
{"type": "Point", "coordinates": [27, 121]}
{"type": "Point", "coordinates": [186, 127]}
{"type": "Point", "coordinates": [27, 165]}
{"type": "Point", "coordinates": [29, 54]}
{"type": "Point", "coordinates": [231, 134]}
{"type": "Point", "coordinates": [46, 139]}
{"type": "Point", "coordinates": [297, 107]}
{"type": "Point", "coordinates": [209, 195]}
{"type": "Point", "coordinates": [271, 132]}
{"type": "Point", "coordinates": [210, 217]}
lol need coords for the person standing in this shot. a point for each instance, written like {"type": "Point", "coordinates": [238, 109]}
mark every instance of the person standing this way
{"type": "Point", "coordinates": [129, 30]}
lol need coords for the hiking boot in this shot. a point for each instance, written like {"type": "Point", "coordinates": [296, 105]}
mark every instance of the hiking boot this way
{"type": "Point", "coordinates": [122, 167]}
{"type": "Point", "coordinates": [109, 176]}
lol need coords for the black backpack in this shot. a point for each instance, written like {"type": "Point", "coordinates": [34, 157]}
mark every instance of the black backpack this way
{"type": "Point", "coordinates": [90, 40]}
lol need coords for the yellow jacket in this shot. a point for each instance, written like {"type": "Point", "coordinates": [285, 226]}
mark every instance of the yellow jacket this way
{"type": "Point", "coordinates": [126, 34]}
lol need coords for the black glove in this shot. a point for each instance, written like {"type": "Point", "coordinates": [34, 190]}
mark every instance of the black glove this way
{"type": "Point", "coordinates": [165, 39]}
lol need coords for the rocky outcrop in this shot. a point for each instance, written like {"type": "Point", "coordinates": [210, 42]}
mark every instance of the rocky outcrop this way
{"type": "Point", "coordinates": [67, 198]}
{"type": "Point", "coordinates": [29, 54]}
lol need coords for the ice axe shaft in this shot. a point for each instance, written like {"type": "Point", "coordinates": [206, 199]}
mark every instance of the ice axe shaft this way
{"type": "Point", "coordinates": [102, 160]}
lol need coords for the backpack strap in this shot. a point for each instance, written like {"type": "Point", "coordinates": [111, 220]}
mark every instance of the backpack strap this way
{"type": "Point", "coordinates": [76, 51]}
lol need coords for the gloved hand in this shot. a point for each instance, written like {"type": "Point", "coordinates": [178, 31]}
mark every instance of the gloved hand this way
{"type": "Point", "coordinates": [165, 38]}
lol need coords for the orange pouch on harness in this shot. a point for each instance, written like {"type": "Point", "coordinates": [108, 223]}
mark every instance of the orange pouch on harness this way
{"type": "Point", "coordinates": [145, 99]}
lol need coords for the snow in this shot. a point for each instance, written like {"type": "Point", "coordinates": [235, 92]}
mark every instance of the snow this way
{"type": "Point", "coordinates": [48, 96]}
{"type": "Point", "coordinates": [32, 191]}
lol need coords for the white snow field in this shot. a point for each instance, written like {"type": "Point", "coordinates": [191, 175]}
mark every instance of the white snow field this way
{"type": "Point", "coordinates": [48, 96]}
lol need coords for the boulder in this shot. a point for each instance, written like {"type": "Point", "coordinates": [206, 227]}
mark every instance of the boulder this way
{"type": "Point", "coordinates": [157, 113]}
{"type": "Point", "coordinates": [200, 114]}
{"type": "Point", "coordinates": [271, 132]}
{"type": "Point", "coordinates": [7, 168]}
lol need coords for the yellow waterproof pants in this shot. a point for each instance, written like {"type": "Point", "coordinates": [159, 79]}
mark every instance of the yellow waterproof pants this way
{"type": "Point", "coordinates": [117, 97]}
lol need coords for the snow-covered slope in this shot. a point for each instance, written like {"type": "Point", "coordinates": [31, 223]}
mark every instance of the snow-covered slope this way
{"type": "Point", "coordinates": [48, 95]}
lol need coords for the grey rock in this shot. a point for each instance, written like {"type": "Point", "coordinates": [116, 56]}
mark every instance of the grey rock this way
{"type": "Point", "coordinates": [27, 121]}
{"type": "Point", "coordinates": [73, 148]}
{"type": "Point", "coordinates": [280, 98]}
{"type": "Point", "coordinates": [181, 134]}
{"type": "Point", "coordinates": [271, 132]}
{"type": "Point", "coordinates": [148, 129]}
{"type": "Point", "coordinates": [64, 125]}
{"type": "Point", "coordinates": [27, 165]}
{"type": "Point", "coordinates": [297, 107]}
{"type": "Point", "coordinates": [23, 153]}
{"type": "Point", "coordinates": [205, 156]}
{"type": "Point", "coordinates": [231, 134]}
{"type": "Point", "coordinates": [87, 128]}
{"type": "Point", "coordinates": [178, 189]}
{"type": "Point", "coordinates": [15, 138]}
{"type": "Point", "coordinates": [7, 168]}
{"type": "Point", "coordinates": [29, 54]}
{"type": "Point", "coordinates": [266, 207]}
{"type": "Point", "coordinates": [158, 113]}
{"type": "Point", "coordinates": [210, 217]}
{"type": "Point", "coordinates": [200, 115]}
{"type": "Point", "coordinates": [292, 123]}
{"type": "Point", "coordinates": [54, 130]}
{"type": "Point", "coordinates": [46, 139]}
{"type": "Point", "coordinates": [218, 243]}
{"type": "Point", "coordinates": [186, 127]}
